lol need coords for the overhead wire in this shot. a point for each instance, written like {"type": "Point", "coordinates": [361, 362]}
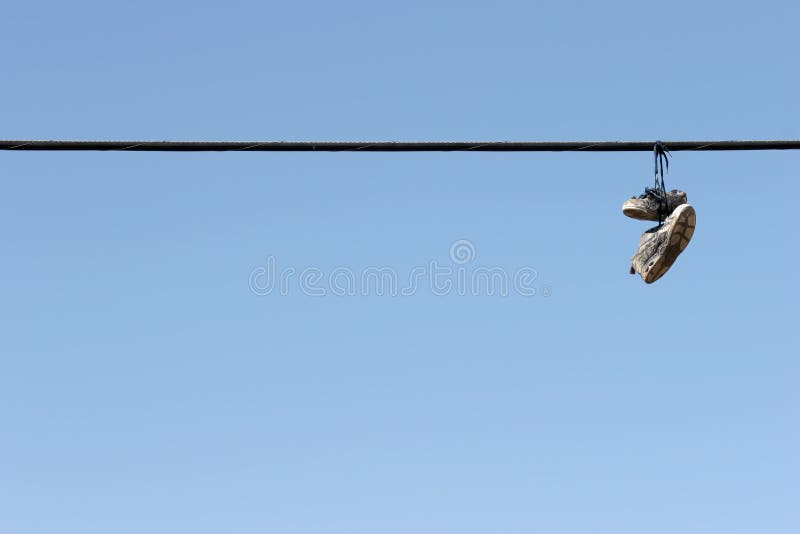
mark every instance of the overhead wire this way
{"type": "Point", "coordinates": [391, 146]}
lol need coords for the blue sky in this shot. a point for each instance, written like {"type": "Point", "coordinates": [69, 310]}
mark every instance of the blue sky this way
{"type": "Point", "coordinates": [144, 387]}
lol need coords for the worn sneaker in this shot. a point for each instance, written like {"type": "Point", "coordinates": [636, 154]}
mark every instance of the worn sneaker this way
{"type": "Point", "coordinates": [661, 245]}
{"type": "Point", "coordinates": [646, 207]}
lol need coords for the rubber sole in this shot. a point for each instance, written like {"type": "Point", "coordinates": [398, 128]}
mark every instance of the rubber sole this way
{"type": "Point", "coordinates": [678, 238]}
{"type": "Point", "coordinates": [639, 214]}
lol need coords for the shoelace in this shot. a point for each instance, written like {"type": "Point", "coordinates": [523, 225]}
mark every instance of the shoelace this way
{"type": "Point", "coordinates": [656, 194]}
{"type": "Point", "coordinates": [659, 191]}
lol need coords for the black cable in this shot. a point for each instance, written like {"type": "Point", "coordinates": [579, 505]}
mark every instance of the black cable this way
{"type": "Point", "coordinates": [394, 146]}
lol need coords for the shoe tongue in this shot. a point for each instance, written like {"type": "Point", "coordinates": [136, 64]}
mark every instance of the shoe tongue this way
{"type": "Point", "coordinates": [660, 197]}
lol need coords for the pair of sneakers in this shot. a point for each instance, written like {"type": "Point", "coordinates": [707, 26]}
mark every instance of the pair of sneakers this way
{"type": "Point", "coordinates": [660, 246]}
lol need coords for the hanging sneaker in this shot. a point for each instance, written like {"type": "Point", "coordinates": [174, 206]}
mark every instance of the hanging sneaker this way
{"type": "Point", "coordinates": [646, 207]}
{"type": "Point", "coordinates": [661, 245]}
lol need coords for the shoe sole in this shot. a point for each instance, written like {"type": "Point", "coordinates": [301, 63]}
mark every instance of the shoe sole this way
{"type": "Point", "coordinates": [639, 214]}
{"type": "Point", "coordinates": [677, 240]}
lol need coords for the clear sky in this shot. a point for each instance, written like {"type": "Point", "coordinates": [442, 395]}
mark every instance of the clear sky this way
{"type": "Point", "coordinates": [148, 385]}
